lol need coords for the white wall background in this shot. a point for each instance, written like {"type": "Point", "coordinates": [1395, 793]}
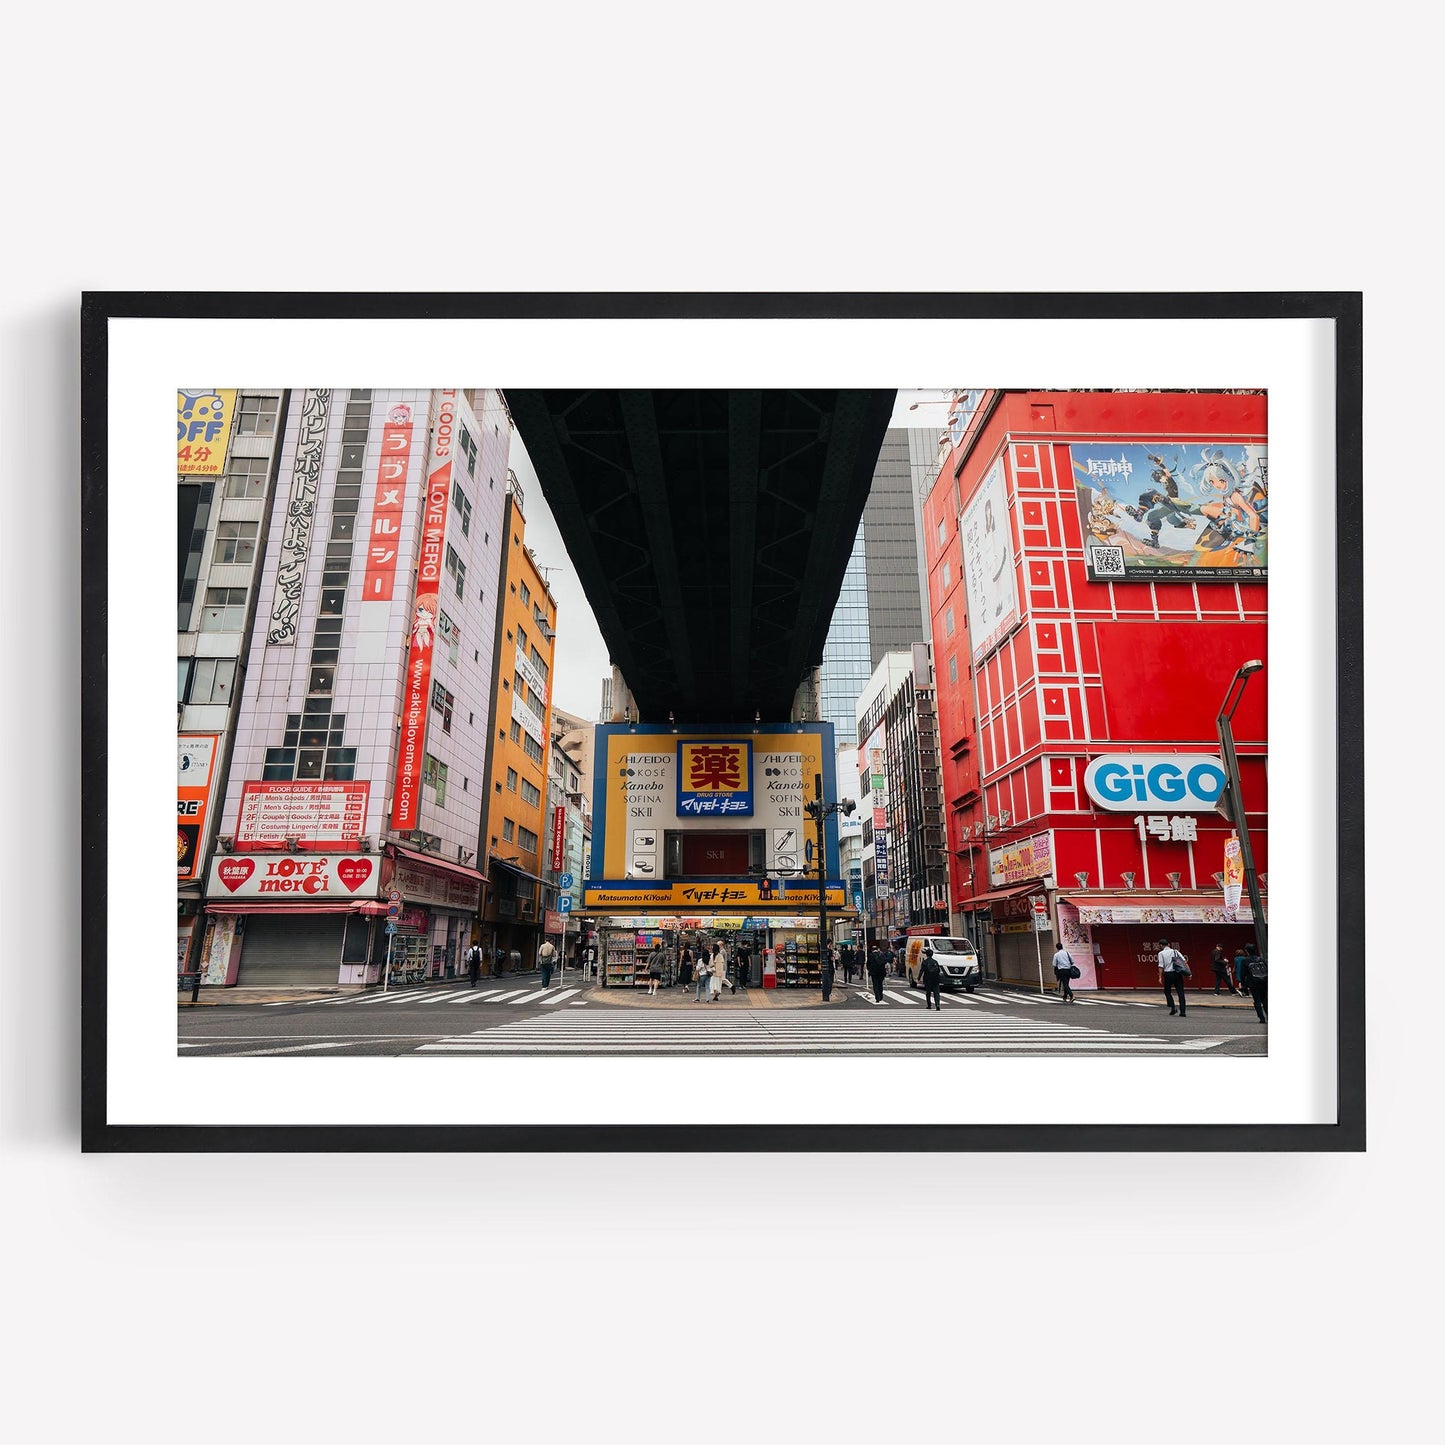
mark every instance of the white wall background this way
{"type": "Point", "coordinates": [634, 147]}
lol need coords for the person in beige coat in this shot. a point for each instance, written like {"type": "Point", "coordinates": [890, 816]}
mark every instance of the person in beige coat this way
{"type": "Point", "coordinates": [718, 966]}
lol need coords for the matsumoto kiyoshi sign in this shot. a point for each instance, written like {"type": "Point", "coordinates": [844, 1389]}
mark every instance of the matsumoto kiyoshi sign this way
{"type": "Point", "coordinates": [1181, 782]}
{"type": "Point", "coordinates": [714, 779]}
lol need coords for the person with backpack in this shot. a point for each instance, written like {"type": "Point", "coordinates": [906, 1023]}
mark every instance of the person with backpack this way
{"type": "Point", "coordinates": [474, 963]}
{"type": "Point", "coordinates": [546, 956]}
{"type": "Point", "coordinates": [1256, 973]}
{"type": "Point", "coordinates": [932, 975]}
{"type": "Point", "coordinates": [827, 972]}
{"type": "Point", "coordinates": [1064, 974]}
{"type": "Point", "coordinates": [1173, 970]}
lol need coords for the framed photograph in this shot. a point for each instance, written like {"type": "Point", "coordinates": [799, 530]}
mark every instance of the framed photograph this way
{"type": "Point", "coordinates": [724, 722]}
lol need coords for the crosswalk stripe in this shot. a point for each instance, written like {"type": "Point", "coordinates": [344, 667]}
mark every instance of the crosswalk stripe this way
{"type": "Point", "coordinates": [554, 997]}
{"type": "Point", "coordinates": [898, 997]}
{"type": "Point", "coordinates": [447, 996]}
{"type": "Point", "coordinates": [511, 995]}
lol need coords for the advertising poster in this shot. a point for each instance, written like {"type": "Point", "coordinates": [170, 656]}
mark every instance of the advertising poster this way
{"type": "Point", "coordinates": [714, 779]}
{"type": "Point", "coordinates": [1233, 875]}
{"type": "Point", "coordinates": [1021, 861]}
{"type": "Point", "coordinates": [988, 564]}
{"type": "Point", "coordinates": [416, 689]}
{"type": "Point", "coordinates": [1154, 511]}
{"type": "Point", "coordinates": [203, 430]}
{"type": "Point", "coordinates": [195, 770]}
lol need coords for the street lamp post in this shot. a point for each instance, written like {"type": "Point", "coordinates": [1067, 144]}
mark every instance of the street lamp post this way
{"type": "Point", "coordinates": [818, 810]}
{"type": "Point", "coordinates": [1236, 798]}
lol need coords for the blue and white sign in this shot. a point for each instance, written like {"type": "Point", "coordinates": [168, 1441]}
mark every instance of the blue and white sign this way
{"type": "Point", "coordinates": [564, 904]}
{"type": "Point", "coordinates": [1173, 782]}
{"type": "Point", "coordinates": [565, 881]}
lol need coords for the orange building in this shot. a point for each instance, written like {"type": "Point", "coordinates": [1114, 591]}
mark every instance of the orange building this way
{"type": "Point", "coordinates": [516, 835]}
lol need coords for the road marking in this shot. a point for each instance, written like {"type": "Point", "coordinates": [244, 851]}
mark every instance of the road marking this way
{"type": "Point", "coordinates": [448, 996]}
{"type": "Point", "coordinates": [292, 1049]}
{"type": "Point", "coordinates": [898, 997]}
{"type": "Point", "coordinates": [554, 997]}
{"type": "Point", "coordinates": [512, 994]}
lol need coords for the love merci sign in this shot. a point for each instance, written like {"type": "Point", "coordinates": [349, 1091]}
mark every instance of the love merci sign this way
{"type": "Point", "coordinates": [291, 876]}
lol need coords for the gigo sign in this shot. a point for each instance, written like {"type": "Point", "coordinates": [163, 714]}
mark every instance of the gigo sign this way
{"type": "Point", "coordinates": [1182, 782]}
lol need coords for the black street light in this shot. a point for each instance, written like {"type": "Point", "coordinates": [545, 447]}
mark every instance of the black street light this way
{"type": "Point", "coordinates": [818, 810]}
{"type": "Point", "coordinates": [1235, 798]}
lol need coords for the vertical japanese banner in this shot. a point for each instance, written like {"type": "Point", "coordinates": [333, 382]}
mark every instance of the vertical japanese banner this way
{"type": "Point", "coordinates": [406, 801]}
{"type": "Point", "coordinates": [390, 503]}
{"type": "Point", "coordinates": [1233, 875]}
{"type": "Point", "coordinates": [559, 833]}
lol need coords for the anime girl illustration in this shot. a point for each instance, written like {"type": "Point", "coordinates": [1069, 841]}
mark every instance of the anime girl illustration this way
{"type": "Point", "coordinates": [423, 627]}
{"type": "Point", "coordinates": [1235, 523]}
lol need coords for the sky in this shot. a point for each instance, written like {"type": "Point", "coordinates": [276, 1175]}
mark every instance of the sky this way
{"type": "Point", "coordinates": [580, 661]}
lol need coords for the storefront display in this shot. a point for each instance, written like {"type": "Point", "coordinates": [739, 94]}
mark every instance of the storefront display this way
{"type": "Point", "coordinates": [798, 963]}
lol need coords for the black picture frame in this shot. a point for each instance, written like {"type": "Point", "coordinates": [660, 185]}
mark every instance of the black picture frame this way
{"type": "Point", "coordinates": [1343, 309]}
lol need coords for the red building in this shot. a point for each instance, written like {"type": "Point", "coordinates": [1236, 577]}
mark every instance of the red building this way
{"type": "Point", "coordinates": [1097, 566]}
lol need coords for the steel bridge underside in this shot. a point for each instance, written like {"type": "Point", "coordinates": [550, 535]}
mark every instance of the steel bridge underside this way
{"type": "Point", "coordinates": [710, 531]}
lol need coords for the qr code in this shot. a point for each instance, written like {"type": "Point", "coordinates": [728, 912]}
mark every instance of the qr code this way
{"type": "Point", "coordinates": [1108, 561]}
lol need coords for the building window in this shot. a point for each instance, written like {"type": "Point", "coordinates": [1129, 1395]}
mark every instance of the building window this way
{"type": "Point", "coordinates": [450, 634]}
{"type": "Point", "coordinates": [246, 476]}
{"type": "Point", "coordinates": [526, 840]}
{"type": "Point", "coordinates": [521, 639]}
{"type": "Point", "coordinates": [225, 609]}
{"type": "Point", "coordinates": [516, 731]}
{"type": "Point", "coordinates": [511, 780]}
{"type": "Point", "coordinates": [525, 595]}
{"type": "Point", "coordinates": [469, 450]}
{"type": "Point", "coordinates": [509, 828]}
{"type": "Point", "coordinates": [942, 531]}
{"type": "Point", "coordinates": [434, 775]}
{"type": "Point", "coordinates": [442, 701]}
{"type": "Point", "coordinates": [255, 416]}
{"type": "Point", "coordinates": [459, 501]}
{"type": "Point", "coordinates": [235, 542]}
{"type": "Point", "coordinates": [207, 680]}
{"type": "Point", "coordinates": [948, 622]}
{"type": "Point", "coordinates": [947, 577]}
{"type": "Point", "coordinates": [531, 793]}
{"type": "Point", "coordinates": [532, 747]}
{"type": "Point", "coordinates": [953, 668]}
{"type": "Point", "coordinates": [457, 568]}
{"type": "Point", "coordinates": [539, 663]}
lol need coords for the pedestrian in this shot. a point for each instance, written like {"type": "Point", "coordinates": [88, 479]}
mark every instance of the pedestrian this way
{"type": "Point", "coordinates": [719, 969]}
{"type": "Point", "coordinates": [877, 968]}
{"type": "Point", "coordinates": [1256, 973]}
{"type": "Point", "coordinates": [827, 972]}
{"type": "Point", "coordinates": [1173, 970]}
{"type": "Point", "coordinates": [654, 970]}
{"type": "Point", "coordinates": [1241, 970]}
{"type": "Point", "coordinates": [1219, 963]}
{"type": "Point", "coordinates": [703, 974]}
{"type": "Point", "coordinates": [546, 957]}
{"type": "Point", "coordinates": [474, 963]}
{"type": "Point", "coordinates": [1064, 974]}
{"type": "Point", "coordinates": [684, 965]}
{"type": "Point", "coordinates": [847, 951]}
{"type": "Point", "coordinates": [932, 974]}
{"type": "Point", "coordinates": [742, 968]}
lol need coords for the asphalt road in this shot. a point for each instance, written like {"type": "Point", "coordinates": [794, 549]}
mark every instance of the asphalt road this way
{"type": "Point", "coordinates": [516, 1016]}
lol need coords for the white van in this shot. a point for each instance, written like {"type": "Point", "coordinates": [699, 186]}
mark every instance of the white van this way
{"type": "Point", "coordinates": [957, 958]}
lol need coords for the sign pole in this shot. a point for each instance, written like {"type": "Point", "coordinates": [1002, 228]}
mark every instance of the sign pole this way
{"type": "Point", "coordinates": [386, 980]}
{"type": "Point", "coordinates": [1034, 916]}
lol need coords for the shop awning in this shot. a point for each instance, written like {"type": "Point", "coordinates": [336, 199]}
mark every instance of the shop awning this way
{"type": "Point", "coordinates": [252, 905]}
{"type": "Point", "coordinates": [515, 867]}
{"type": "Point", "coordinates": [374, 909]}
{"type": "Point", "coordinates": [439, 865]}
{"type": "Point", "coordinates": [982, 900]}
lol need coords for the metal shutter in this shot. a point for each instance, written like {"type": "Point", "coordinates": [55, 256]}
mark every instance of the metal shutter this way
{"type": "Point", "coordinates": [292, 950]}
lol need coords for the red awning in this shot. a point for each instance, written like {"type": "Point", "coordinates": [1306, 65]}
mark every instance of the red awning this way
{"type": "Point", "coordinates": [251, 905]}
{"type": "Point", "coordinates": [374, 910]}
{"type": "Point", "coordinates": [982, 900]}
{"type": "Point", "coordinates": [439, 865]}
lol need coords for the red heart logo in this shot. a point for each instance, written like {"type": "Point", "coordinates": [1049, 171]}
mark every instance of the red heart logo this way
{"type": "Point", "coordinates": [233, 872]}
{"type": "Point", "coordinates": [353, 872]}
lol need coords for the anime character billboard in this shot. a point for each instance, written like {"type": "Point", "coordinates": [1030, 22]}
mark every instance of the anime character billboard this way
{"type": "Point", "coordinates": [1153, 511]}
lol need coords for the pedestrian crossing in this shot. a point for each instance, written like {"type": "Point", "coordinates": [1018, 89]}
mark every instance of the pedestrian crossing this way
{"type": "Point", "coordinates": [531, 994]}
{"type": "Point", "coordinates": [997, 999]}
{"type": "Point", "coordinates": [683, 1031]}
